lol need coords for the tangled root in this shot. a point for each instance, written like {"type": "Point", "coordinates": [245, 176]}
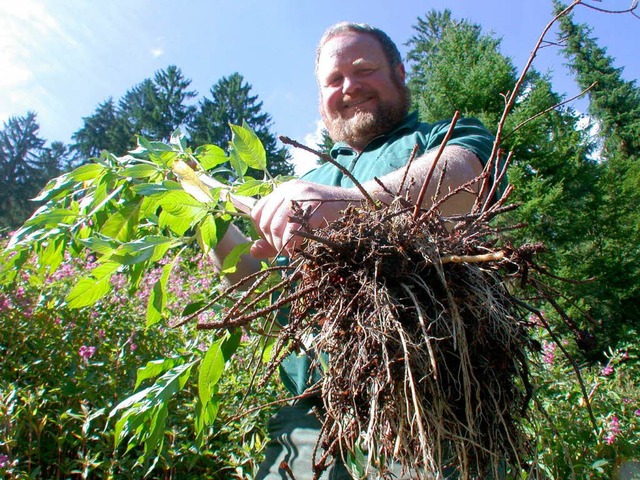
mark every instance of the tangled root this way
{"type": "Point", "coordinates": [426, 350]}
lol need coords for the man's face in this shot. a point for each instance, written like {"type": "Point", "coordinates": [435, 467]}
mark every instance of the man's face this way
{"type": "Point", "coordinates": [361, 97]}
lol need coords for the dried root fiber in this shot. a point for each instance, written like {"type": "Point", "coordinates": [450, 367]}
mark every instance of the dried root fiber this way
{"type": "Point", "coordinates": [426, 350]}
{"type": "Point", "coordinates": [421, 345]}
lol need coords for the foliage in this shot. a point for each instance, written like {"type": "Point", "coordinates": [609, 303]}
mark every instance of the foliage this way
{"type": "Point", "coordinates": [25, 166]}
{"type": "Point", "coordinates": [231, 102]}
{"type": "Point", "coordinates": [140, 216]}
{"type": "Point", "coordinates": [567, 445]}
{"type": "Point", "coordinates": [454, 67]}
{"type": "Point", "coordinates": [66, 369]}
{"type": "Point", "coordinates": [614, 107]}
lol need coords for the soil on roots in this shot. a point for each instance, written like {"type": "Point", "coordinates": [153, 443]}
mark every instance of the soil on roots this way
{"type": "Point", "coordinates": [425, 347]}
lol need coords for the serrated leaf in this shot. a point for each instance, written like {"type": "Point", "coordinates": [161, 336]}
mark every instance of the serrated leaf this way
{"type": "Point", "coordinates": [210, 156]}
{"type": "Point", "coordinates": [206, 234]}
{"type": "Point", "coordinates": [154, 368]}
{"type": "Point", "coordinates": [248, 146]}
{"type": "Point", "coordinates": [237, 164]}
{"type": "Point", "coordinates": [93, 287]}
{"type": "Point", "coordinates": [142, 170]}
{"type": "Point", "coordinates": [230, 264]}
{"type": "Point", "coordinates": [123, 224]}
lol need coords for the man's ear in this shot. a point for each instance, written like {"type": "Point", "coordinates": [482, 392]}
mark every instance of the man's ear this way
{"type": "Point", "coordinates": [400, 72]}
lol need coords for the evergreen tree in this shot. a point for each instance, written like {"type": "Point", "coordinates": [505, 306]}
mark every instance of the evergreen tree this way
{"type": "Point", "coordinates": [25, 166]}
{"type": "Point", "coordinates": [231, 102]}
{"type": "Point", "coordinates": [103, 130]}
{"type": "Point", "coordinates": [154, 109]}
{"type": "Point", "coordinates": [614, 105]}
{"type": "Point", "coordinates": [457, 67]}
{"type": "Point", "coordinates": [325, 145]}
{"type": "Point", "coordinates": [454, 67]}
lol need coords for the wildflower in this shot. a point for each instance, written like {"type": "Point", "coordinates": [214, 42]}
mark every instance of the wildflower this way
{"type": "Point", "coordinates": [637, 413]}
{"type": "Point", "coordinates": [132, 347]}
{"type": "Point", "coordinates": [614, 430]}
{"type": "Point", "coordinates": [608, 370]}
{"type": "Point", "coordinates": [86, 352]}
{"type": "Point", "coordinates": [4, 461]}
{"type": "Point", "coordinates": [549, 352]}
{"type": "Point", "coordinates": [101, 334]}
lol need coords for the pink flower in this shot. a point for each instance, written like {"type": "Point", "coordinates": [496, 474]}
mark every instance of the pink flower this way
{"type": "Point", "coordinates": [637, 413]}
{"type": "Point", "coordinates": [101, 334]}
{"type": "Point", "coordinates": [132, 347]}
{"type": "Point", "coordinates": [4, 461]}
{"type": "Point", "coordinates": [548, 352]}
{"type": "Point", "coordinates": [614, 430]}
{"type": "Point", "coordinates": [608, 370]}
{"type": "Point", "coordinates": [86, 352]}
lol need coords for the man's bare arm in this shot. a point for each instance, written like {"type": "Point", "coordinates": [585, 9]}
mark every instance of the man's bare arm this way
{"type": "Point", "coordinates": [271, 215]}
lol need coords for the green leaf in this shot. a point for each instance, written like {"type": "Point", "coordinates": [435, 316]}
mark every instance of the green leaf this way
{"type": "Point", "coordinates": [103, 246]}
{"type": "Point", "coordinates": [248, 146]}
{"type": "Point", "coordinates": [210, 371]}
{"type": "Point", "coordinates": [123, 224]}
{"type": "Point", "coordinates": [149, 248]}
{"type": "Point", "coordinates": [206, 234]}
{"type": "Point", "coordinates": [158, 296]}
{"type": "Point", "coordinates": [142, 170]}
{"type": "Point", "coordinates": [86, 172]}
{"type": "Point", "coordinates": [144, 413]}
{"type": "Point", "coordinates": [46, 218]}
{"type": "Point", "coordinates": [93, 287]}
{"type": "Point", "coordinates": [210, 156]}
{"type": "Point", "coordinates": [156, 367]}
{"type": "Point", "coordinates": [156, 188]}
{"type": "Point", "coordinates": [252, 187]}
{"type": "Point", "coordinates": [230, 264]}
{"type": "Point", "coordinates": [239, 166]}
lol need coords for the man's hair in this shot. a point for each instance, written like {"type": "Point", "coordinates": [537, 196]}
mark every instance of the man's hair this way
{"type": "Point", "coordinates": [389, 48]}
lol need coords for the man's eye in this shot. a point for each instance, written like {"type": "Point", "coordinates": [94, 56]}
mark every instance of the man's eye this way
{"type": "Point", "coordinates": [334, 81]}
{"type": "Point", "coordinates": [365, 71]}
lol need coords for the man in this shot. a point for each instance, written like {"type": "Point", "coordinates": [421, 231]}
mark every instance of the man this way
{"type": "Point", "coordinates": [364, 103]}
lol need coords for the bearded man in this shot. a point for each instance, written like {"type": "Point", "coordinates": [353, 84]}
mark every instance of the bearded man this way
{"type": "Point", "coordinates": [364, 102]}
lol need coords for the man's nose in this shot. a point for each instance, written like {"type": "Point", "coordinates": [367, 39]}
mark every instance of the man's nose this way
{"type": "Point", "coordinates": [350, 85]}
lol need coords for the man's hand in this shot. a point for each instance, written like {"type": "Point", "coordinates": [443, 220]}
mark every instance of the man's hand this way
{"type": "Point", "coordinates": [271, 215]}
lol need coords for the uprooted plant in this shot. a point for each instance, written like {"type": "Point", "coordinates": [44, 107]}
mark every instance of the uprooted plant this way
{"type": "Point", "coordinates": [409, 316]}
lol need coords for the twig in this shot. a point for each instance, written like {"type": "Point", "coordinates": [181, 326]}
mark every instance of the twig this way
{"type": "Point", "coordinates": [553, 107]}
{"type": "Point", "coordinates": [365, 194]}
{"type": "Point", "coordinates": [486, 257]}
{"type": "Point", "coordinates": [432, 168]}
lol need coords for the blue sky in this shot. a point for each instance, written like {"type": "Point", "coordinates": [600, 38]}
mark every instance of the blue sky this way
{"type": "Point", "coordinates": [61, 58]}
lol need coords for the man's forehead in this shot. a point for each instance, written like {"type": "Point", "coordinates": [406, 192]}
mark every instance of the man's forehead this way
{"type": "Point", "coordinates": [350, 47]}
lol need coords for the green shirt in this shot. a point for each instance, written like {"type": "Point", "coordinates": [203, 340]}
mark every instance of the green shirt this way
{"type": "Point", "coordinates": [383, 155]}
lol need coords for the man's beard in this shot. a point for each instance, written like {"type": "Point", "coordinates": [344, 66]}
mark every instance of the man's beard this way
{"type": "Point", "coordinates": [364, 125]}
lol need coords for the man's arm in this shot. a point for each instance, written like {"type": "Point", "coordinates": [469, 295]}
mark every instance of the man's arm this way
{"type": "Point", "coordinates": [271, 214]}
{"type": "Point", "coordinates": [247, 264]}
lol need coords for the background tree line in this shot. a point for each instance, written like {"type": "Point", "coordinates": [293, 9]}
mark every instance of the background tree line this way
{"type": "Point", "coordinates": [578, 190]}
{"type": "Point", "coordinates": [153, 108]}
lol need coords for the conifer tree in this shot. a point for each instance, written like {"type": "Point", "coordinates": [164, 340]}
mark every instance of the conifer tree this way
{"type": "Point", "coordinates": [614, 106]}
{"type": "Point", "coordinates": [231, 102]}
